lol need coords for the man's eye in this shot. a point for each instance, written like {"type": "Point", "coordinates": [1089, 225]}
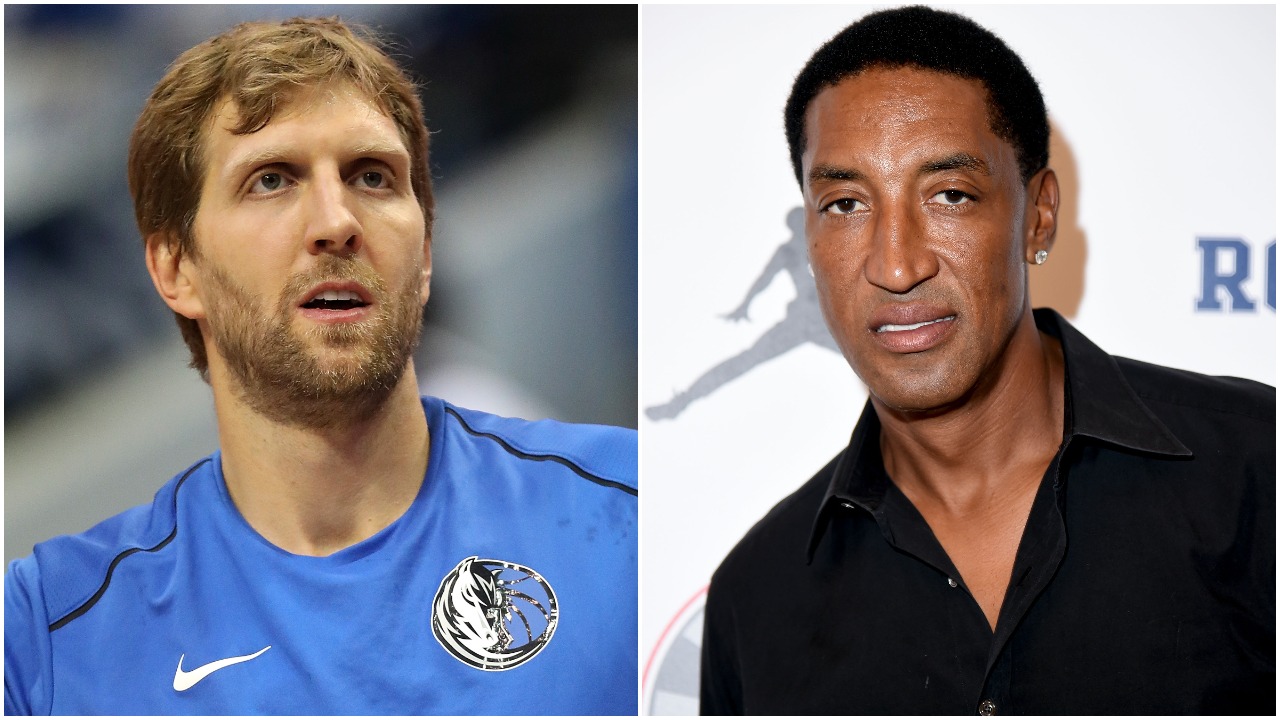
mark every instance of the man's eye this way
{"type": "Point", "coordinates": [267, 182]}
{"type": "Point", "coordinates": [953, 197]}
{"type": "Point", "coordinates": [373, 179]}
{"type": "Point", "coordinates": [843, 206]}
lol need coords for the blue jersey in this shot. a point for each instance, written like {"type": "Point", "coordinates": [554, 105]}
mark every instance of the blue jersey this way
{"type": "Point", "coordinates": [508, 587]}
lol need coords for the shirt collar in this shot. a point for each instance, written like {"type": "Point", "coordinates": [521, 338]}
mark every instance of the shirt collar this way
{"type": "Point", "coordinates": [1099, 403]}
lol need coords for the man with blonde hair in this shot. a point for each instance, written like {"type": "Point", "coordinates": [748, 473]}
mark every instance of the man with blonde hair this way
{"type": "Point", "coordinates": [352, 547]}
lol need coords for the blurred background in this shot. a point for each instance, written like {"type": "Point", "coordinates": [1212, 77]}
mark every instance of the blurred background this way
{"type": "Point", "coordinates": [533, 305]}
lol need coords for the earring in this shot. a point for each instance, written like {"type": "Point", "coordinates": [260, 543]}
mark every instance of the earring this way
{"type": "Point", "coordinates": [1041, 256]}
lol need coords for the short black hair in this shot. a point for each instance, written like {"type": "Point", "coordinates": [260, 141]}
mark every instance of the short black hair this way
{"type": "Point", "coordinates": [929, 39]}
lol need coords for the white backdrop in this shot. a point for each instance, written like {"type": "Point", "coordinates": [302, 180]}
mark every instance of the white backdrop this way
{"type": "Point", "coordinates": [1164, 132]}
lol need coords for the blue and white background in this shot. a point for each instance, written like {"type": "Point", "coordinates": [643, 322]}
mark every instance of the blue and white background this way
{"type": "Point", "coordinates": [1163, 139]}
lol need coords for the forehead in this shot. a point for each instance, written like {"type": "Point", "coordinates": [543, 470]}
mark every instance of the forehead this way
{"type": "Point", "coordinates": [901, 115]}
{"type": "Point", "coordinates": [310, 118]}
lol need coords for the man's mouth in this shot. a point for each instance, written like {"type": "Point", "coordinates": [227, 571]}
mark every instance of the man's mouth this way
{"type": "Point", "coordinates": [912, 327]}
{"type": "Point", "coordinates": [889, 327]}
{"type": "Point", "coordinates": [335, 300]}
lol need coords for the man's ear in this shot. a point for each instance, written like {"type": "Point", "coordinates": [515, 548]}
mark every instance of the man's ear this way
{"type": "Point", "coordinates": [426, 268]}
{"type": "Point", "coordinates": [1042, 213]}
{"type": "Point", "coordinates": [173, 274]}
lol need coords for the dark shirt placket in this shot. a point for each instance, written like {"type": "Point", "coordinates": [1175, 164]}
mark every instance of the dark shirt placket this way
{"type": "Point", "coordinates": [1039, 552]}
{"type": "Point", "coordinates": [1044, 541]}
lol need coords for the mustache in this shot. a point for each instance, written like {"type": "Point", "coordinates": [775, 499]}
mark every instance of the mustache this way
{"type": "Point", "coordinates": [331, 268]}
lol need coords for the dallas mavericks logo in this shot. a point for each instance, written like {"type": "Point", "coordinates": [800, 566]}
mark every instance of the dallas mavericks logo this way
{"type": "Point", "coordinates": [493, 614]}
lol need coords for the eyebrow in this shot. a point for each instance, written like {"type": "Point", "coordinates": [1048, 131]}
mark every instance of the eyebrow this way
{"type": "Point", "coordinates": [267, 156]}
{"type": "Point", "coordinates": [240, 165]}
{"type": "Point", "coordinates": [832, 172]}
{"type": "Point", "coordinates": [956, 161]}
{"type": "Point", "coordinates": [378, 148]}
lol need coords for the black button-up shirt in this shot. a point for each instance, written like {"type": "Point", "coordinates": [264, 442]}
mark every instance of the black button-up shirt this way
{"type": "Point", "coordinates": [1144, 581]}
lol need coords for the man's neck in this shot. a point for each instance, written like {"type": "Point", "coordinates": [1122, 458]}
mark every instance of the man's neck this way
{"type": "Point", "coordinates": [315, 492]}
{"type": "Point", "coordinates": [1001, 438]}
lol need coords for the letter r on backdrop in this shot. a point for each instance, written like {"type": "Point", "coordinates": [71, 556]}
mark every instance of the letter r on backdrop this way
{"type": "Point", "coordinates": [1215, 273]}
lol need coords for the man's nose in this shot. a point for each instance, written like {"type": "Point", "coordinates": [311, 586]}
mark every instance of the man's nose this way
{"type": "Point", "coordinates": [900, 257]}
{"type": "Point", "coordinates": [332, 224]}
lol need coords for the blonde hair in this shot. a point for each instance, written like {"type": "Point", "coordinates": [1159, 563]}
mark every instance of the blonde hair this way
{"type": "Point", "coordinates": [258, 66]}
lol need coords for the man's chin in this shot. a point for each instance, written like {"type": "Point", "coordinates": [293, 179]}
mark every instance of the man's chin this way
{"type": "Point", "coordinates": [917, 397]}
{"type": "Point", "coordinates": [327, 400]}
{"type": "Point", "coordinates": [319, 388]}
{"type": "Point", "coordinates": [352, 362]}
{"type": "Point", "coordinates": [348, 372]}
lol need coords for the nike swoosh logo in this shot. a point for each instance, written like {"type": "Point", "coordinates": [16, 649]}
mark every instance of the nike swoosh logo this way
{"type": "Point", "coordinates": [186, 679]}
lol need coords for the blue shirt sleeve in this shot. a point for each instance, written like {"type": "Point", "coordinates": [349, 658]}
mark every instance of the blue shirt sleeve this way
{"type": "Point", "coordinates": [28, 659]}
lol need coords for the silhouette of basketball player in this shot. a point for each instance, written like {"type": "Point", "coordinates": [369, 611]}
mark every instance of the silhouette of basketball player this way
{"type": "Point", "coordinates": [803, 323]}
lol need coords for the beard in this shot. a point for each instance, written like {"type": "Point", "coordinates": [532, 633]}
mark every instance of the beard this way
{"type": "Point", "coordinates": [324, 376]}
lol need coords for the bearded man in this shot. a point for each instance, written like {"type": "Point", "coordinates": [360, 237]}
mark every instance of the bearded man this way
{"type": "Point", "coordinates": [279, 175]}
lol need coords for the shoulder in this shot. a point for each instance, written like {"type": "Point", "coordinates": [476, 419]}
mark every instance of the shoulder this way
{"type": "Point", "coordinates": [777, 544]}
{"type": "Point", "coordinates": [72, 569]}
{"type": "Point", "coordinates": [27, 649]}
{"type": "Point", "coordinates": [1171, 388]}
{"type": "Point", "coordinates": [1223, 492]}
{"type": "Point", "coordinates": [63, 579]}
{"type": "Point", "coordinates": [602, 454]}
{"type": "Point", "coordinates": [749, 588]}
{"type": "Point", "coordinates": [1208, 414]}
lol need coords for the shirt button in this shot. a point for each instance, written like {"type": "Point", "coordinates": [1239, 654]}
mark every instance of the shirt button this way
{"type": "Point", "coordinates": [986, 707]}
{"type": "Point", "coordinates": [952, 583]}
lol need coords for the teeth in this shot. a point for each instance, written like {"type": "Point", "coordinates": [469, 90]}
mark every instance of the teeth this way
{"type": "Point", "coordinates": [332, 295]}
{"type": "Point", "coordinates": [900, 328]}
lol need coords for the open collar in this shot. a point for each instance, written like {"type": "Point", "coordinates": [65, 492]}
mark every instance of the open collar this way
{"type": "Point", "coordinates": [1099, 404]}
